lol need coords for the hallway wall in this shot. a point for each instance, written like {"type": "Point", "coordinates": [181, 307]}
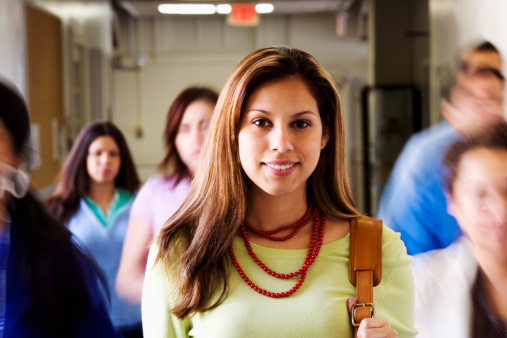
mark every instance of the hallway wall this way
{"type": "Point", "coordinates": [186, 51]}
{"type": "Point", "coordinates": [84, 26]}
{"type": "Point", "coordinates": [203, 51]}
{"type": "Point", "coordinates": [12, 32]}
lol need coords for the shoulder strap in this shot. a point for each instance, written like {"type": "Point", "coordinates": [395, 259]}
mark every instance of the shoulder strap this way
{"type": "Point", "coordinates": [365, 264]}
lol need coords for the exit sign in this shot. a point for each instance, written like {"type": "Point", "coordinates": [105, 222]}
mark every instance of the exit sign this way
{"type": "Point", "coordinates": [243, 15]}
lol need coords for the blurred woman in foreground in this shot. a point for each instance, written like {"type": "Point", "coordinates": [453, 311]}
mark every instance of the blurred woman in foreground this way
{"type": "Point", "coordinates": [461, 291]}
{"type": "Point", "coordinates": [48, 287]}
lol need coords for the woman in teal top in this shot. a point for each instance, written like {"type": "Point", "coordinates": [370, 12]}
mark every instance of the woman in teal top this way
{"type": "Point", "coordinates": [260, 247]}
{"type": "Point", "coordinates": [93, 198]}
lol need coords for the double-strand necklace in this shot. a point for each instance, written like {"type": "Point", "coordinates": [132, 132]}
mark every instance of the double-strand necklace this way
{"type": "Point", "coordinates": [315, 244]}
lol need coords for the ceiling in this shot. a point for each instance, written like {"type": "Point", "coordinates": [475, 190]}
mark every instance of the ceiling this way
{"type": "Point", "coordinates": [148, 8]}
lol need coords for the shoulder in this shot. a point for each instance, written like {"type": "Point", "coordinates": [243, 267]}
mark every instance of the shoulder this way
{"type": "Point", "coordinates": [449, 264]}
{"type": "Point", "coordinates": [433, 137]}
{"type": "Point", "coordinates": [83, 210]}
{"type": "Point", "coordinates": [155, 181]}
{"type": "Point", "coordinates": [396, 263]}
{"type": "Point", "coordinates": [84, 222]}
{"type": "Point", "coordinates": [443, 279]}
{"type": "Point", "coordinates": [426, 147]}
{"type": "Point", "coordinates": [149, 190]}
{"type": "Point", "coordinates": [159, 182]}
{"type": "Point", "coordinates": [392, 245]}
{"type": "Point", "coordinates": [159, 191]}
{"type": "Point", "coordinates": [126, 195]}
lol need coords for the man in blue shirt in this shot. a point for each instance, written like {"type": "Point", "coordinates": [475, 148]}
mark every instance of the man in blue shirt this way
{"type": "Point", "coordinates": [413, 202]}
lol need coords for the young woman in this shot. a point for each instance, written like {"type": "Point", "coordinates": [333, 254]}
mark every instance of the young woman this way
{"type": "Point", "coordinates": [466, 282]}
{"type": "Point", "coordinates": [48, 287]}
{"type": "Point", "coordinates": [261, 245]}
{"type": "Point", "coordinates": [93, 198]}
{"type": "Point", "coordinates": [187, 124]}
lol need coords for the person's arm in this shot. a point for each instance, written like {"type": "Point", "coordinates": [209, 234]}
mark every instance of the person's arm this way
{"type": "Point", "coordinates": [158, 322]}
{"type": "Point", "coordinates": [130, 277]}
{"type": "Point", "coordinates": [394, 297]}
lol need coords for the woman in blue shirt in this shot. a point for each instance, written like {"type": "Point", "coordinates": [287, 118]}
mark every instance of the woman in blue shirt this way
{"type": "Point", "coordinates": [48, 287]}
{"type": "Point", "coordinates": [93, 198]}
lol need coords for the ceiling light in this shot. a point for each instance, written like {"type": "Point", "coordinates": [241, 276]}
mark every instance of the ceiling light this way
{"type": "Point", "coordinates": [264, 8]}
{"type": "Point", "coordinates": [187, 9]}
{"type": "Point", "coordinates": [224, 9]}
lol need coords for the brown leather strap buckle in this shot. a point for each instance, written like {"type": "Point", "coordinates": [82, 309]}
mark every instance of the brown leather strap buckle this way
{"type": "Point", "coordinates": [353, 316]}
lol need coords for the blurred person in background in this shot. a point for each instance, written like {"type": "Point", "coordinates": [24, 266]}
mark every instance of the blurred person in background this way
{"type": "Point", "coordinates": [93, 198]}
{"type": "Point", "coordinates": [159, 198]}
{"type": "Point", "coordinates": [413, 202]}
{"type": "Point", "coordinates": [461, 291]}
{"type": "Point", "coordinates": [48, 287]}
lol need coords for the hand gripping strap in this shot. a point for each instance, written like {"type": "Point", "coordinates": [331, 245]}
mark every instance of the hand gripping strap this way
{"type": "Point", "coordinates": [365, 264]}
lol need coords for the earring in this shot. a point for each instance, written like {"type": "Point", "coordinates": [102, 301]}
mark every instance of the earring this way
{"type": "Point", "coordinates": [21, 183]}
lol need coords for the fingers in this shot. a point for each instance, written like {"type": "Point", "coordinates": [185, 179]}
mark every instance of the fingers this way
{"type": "Point", "coordinates": [466, 112]}
{"type": "Point", "coordinates": [448, 110]}
{"type": "Point", "coordinates": [373, 327]}
{"type": "Point", "coordinates": [376, 328]}
{"type": "Point", "coordinates": [350, 303]}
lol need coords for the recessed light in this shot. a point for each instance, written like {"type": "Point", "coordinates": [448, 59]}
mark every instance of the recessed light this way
{"type": "Point", "coordinates": [264, 8]}
{"type": "Point", "coordinates": [187, 9]}
{"type": "Point", "coordinates": [224, 9]}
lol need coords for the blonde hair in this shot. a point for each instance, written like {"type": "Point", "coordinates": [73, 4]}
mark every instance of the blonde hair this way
{"type": "Point", "coordinates": [193, 243]}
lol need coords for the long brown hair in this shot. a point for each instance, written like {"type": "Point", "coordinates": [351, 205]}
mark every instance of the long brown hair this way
{"type": "Point", "coordinates": [172, 165]}
{"type": "Point", "coordinates": [193, 244]}
{"type": "Point", "coordinates": [74, 181]}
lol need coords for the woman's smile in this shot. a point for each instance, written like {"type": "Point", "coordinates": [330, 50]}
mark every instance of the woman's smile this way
{"type": "Point", "coordinates": [280, 137]}
{"type": "Point", "coordinates": [281, 168]}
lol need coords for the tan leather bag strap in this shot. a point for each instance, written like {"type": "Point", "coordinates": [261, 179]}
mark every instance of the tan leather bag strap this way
{"type": "Point", "coordinates": [365, 265]}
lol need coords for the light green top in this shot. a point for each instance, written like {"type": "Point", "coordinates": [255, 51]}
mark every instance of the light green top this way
{"type": "Point", "coordinates": [317, 309]}
{"type": "Point", "coordinates": [120, 198]}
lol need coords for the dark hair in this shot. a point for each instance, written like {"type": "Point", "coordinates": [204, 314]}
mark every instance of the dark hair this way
{"type": "Point", "coordinates": [172, 165]}
{"type": "Point", "coordinates": [485, 46]}
{"type": "Point", "coordinates": [494, 137]}
{"type": "Point", "coordinates": [53, 269]}
{"type": "Point", "coordinates": [14, 114]}
{"type": "Point", "coordinates": [49, 263]}
{"type": "Point", "coordinates": [74, 181]}
{"type": "Point", "coordinates": [193, 243]}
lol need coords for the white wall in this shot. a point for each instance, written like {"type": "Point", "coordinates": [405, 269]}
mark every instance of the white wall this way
{"type": "Point", "coordinates": [84, 22]}
{"type": "Point", "coordinates": [87, 24]}
{"type": "Point", "coordinates": [203, 51]}
{"type": "Point", "coordinates": [454, 25]}
{"type": "Point", "coordinates": [90, 20]}
{"type": "Point", "coordinates": [12, 32]}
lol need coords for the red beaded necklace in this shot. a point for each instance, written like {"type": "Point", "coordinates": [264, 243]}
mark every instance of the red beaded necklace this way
{"type": "Point", "coordinates": [296, 226]}
{"type": "Point", "coordinates": [313, 251]}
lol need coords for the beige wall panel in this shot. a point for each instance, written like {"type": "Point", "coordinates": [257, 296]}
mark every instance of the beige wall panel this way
{"type": "Point", "coordinates": [45, 89]}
